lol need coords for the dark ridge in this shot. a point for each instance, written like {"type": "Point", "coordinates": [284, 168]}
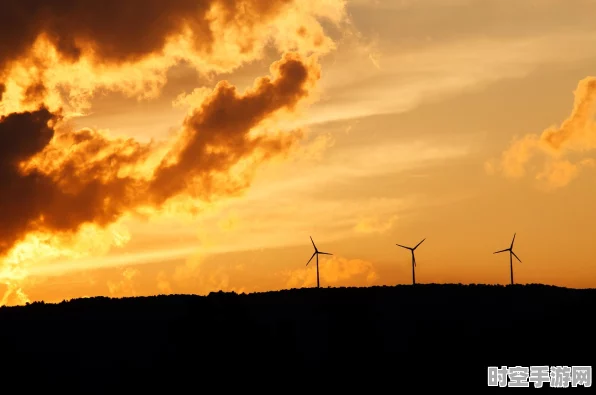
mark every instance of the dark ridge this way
{"type": "Point", "coordinates": [412, 336]}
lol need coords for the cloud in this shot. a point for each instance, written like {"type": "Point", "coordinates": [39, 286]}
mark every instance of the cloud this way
{"type": "Point", "coordinates": [190, 270]}
{"type": "Point", "coordinates": [333, 271]}
{"type": "Point", "coordinates": [229, 223]}
{"type": "Point", "coordinates": [193, 99]}
{"type": "Point", "coordinates": [558, 147]}
{"type": "Point", "coordinates": [195, 274]}
{"type": "Point", "coordinates": [126, 285]}
{"type": "Point", "coordinates": [14, 295]}
{"type": "Point", "coordinates": [129, 46]}
{"type": "Point", "coordinates": [56, 181]}
{"type": "Point", "coordinates": [414, 75]}
{"type": "Point", "coordinates": [559, 173]}
{"type": "Point", "coordinates": [163, 285]}
{"type": "Point", "coordinates": [200, 276]}
{"type": "Point", "coordinates": [377, 225]}
{"type": "Point", "coordinates": [289, 224]}
{"type": "Point", "coordinates": [374, 58]}
{"type": "Point", "coordinates": [314, 149]}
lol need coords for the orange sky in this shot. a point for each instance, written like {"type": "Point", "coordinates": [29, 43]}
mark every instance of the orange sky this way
{"type": "Point", "coordinates": [202, 155]}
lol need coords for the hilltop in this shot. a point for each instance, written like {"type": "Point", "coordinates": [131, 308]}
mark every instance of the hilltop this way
{"type": "Point", "coordinates": [379, 329]}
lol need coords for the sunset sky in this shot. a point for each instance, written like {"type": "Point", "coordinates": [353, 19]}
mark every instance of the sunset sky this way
{"type": "Point", "coordinates": [151, 147]}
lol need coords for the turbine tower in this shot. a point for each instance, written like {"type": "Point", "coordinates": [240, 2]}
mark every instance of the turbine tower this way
{"type": "Point", "coordinates": [413, 259]}
{"type": "Point", "coordinates": [511, 255]}
{"type": "Point", "coordinates": [317, 252]}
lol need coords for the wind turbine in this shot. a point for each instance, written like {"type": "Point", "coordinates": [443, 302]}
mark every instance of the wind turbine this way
{"type": "Point", "coordinates": [317, 252]}
{"type": "Point", "coordinates": [413, 259]}
{"type": "Point", "coordinates": [511, 255]}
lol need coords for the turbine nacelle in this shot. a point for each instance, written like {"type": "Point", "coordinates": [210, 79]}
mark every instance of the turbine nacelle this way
{"type": "Point", "coordinates": [317, 252]}
{"type": "Point", "coordinates": [412, 249]}
{"type": "Point", "coordinates": [510, 249]}
{"type": "Point", "coordinates": [511, 255]}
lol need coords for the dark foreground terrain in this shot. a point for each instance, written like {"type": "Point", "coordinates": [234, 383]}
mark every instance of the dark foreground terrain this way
{"type": "Point", "coordinates": [385, 337]}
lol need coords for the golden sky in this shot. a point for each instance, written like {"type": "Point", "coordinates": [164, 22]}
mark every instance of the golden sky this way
{"type": "Point", "coordinates": [189, 146]}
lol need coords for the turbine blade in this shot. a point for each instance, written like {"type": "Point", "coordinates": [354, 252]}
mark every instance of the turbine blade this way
{"type": "Point", "coordinates": [313, 243]}
{"type": "Point", "coordinates": [498, 252]}
{"type": "Point", "coordinates": [512, 241]}
{"type": "Point", "coordinates": [516, 257]}
{"type": "Point", "coordinates": [419, 243]}
{"type": "Point", "coordinates": [414, 259]}
{"type": "Point", "coordinates": [407, 248]}
{"type": "Point", "coordinates": [324, 253]}
{"type": "Point", "coordinates": [313, 255]}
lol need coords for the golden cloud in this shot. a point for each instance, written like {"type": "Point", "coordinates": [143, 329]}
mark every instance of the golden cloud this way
{"type": "Point", "coordinates": [202, 279]}
{"type": "Point", "coordinates": [377, 225]}
{"type": "Point", "coordinates": [333, 271]}
{"type": "Point", "coordinates": [126, 285]}
{"type": "Point", "coordinates": [55, 57]}
{"type": "Point", "coordinates": [558, 146]}
{"type": "Point", "coordinates": [45, 60]}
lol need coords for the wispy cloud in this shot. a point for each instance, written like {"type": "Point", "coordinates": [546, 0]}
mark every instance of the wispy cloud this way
{"type": "Point", "coordinates": [413, 77]}
{"type": "Point", "coordinates": [350, 163]}
{"type": "Point", "coordinates": [375, 224]}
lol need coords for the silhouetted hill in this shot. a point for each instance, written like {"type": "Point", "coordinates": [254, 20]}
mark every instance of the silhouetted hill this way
{"type": "Point", "coordinates": [381, 334]}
